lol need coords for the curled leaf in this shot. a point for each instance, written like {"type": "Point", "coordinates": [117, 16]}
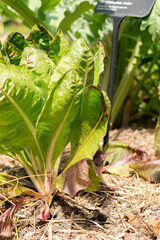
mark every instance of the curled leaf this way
{"type": "Point", "coordinates": [14, 46]}
{"type": "Point", "coordinates": [120, 156]}
{"type": "Point", "coordinates": [6, 220]}
{"type": "Point", "coordinates": [123, 160]}
{"type": "Point", "coordinates": [45, 213]}
{"type": "Point", "coordinates": [82, 175]}
{"type": "Point", "coordinates": [99, 157]}
{"type": "Point", "coordinates": [149, 170]}
{"type": "Point", "coordinates": [76, 178]}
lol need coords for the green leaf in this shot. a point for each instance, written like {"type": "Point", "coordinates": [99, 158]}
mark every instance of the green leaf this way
{"type": "Point", "coordinates": [58, 47]}
{"type": "Point", "coordinates": [84, 60]}
{"type": "Point", "coordinates": [7, 11]}
{"type": "Point", "coordinates": [98, 53]}
{"type": "Point", "coordinates": [95, 177]}
{"type": "Point", "coordinates": [38, 62]}
{"type": "Point", "coordinates": [152, 22]}
{"type": "Point", "coordinates": [14, 46]}
{"type": "Point", "coordinates": [157, 134]}
{"type": "Point", "coordinates": [40, 37]}
{"type": "Point", "coordinates": [24, 11]}
{"type": "Point", "coordinates": [87, 130]}
{"type": "Point", "coordinates": [1, 55]}
{"type": "Point", "coordinates": [59, 112]}
{"type": "Point", "coordinates": [48, 5]}
{"type": "Point", "coordinates": [89, 126]}
{"type": "Point", "coordinates": [20, 104]}
{"type": "Point", "coordinates": [126, 81]}
{"type": "Point", "coordinates": [74, 58]}
{"type": "Point", "coordinates": [17, 40]}
{"type": "Point", "coordinates": [12, 186]}
{"type": "Point", "coordinates": [70, 17]}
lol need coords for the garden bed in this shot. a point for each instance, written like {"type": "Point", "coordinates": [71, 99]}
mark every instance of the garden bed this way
{"type": "Point", "coordinates": [124, 207]}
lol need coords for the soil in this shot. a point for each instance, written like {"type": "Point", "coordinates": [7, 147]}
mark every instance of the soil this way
{"type": "Point", "coordinates": [125, 208]}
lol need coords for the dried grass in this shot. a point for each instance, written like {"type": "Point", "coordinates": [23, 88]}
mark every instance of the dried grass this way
{"type": "Point", "coordinates": [130, 205]}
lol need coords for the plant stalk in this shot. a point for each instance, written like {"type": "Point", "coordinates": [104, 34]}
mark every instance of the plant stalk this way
{"type": "Point", "coordinates": [23, 10]}
{"type": "Point", "coordinates": [30, 173]}
{"type": "Point", "coordinates": [126, 82]}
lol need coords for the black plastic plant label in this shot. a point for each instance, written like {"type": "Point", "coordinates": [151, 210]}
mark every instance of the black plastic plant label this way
{"type": "Point", "coordinates": [118, 8]}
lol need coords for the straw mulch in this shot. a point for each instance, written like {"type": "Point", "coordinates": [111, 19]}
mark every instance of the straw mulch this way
{"type": "Point", "coordinates": [125, 208]}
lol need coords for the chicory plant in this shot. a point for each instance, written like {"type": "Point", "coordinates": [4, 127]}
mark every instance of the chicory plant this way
{"type": "Point", "coordinates": [48, 99]}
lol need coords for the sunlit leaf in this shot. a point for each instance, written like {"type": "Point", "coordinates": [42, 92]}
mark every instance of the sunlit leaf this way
{"type": "Point", "coordinates": [119, 157]}
{"type": "Point", "coordinates": [87, 130]}
{"type": "Point", "coordinates": [95, 176]}
{"type": "Point", "coordinates": [58, 47]}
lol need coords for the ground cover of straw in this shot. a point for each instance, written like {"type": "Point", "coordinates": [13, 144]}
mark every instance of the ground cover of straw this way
{"type": "Point", "coordinates": [125, 207]}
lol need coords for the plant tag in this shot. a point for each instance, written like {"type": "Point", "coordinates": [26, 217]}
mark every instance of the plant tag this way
{"type": "Point", "coordinates": [118, 8]}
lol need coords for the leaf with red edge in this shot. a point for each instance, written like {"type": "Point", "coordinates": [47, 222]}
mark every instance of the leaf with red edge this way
{"type": "Point", "coordinates": [76, 178]}
{"type": "Point", "coordinates": [6, 220]}
{"type": "Point", "coordinates": [149, 170]}
{"type": "Point", "coordinates": [81, 175]}
{"type": "Point", "coordinates": [123, 160]}
{"type": "Point", "coordinates": [119, 157]}
{"type": "Point", "coordinates": [45, 213]}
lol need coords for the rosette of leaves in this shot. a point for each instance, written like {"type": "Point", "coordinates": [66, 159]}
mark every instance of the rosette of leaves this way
{"type": "Point", "coordinates": [49, 98]}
